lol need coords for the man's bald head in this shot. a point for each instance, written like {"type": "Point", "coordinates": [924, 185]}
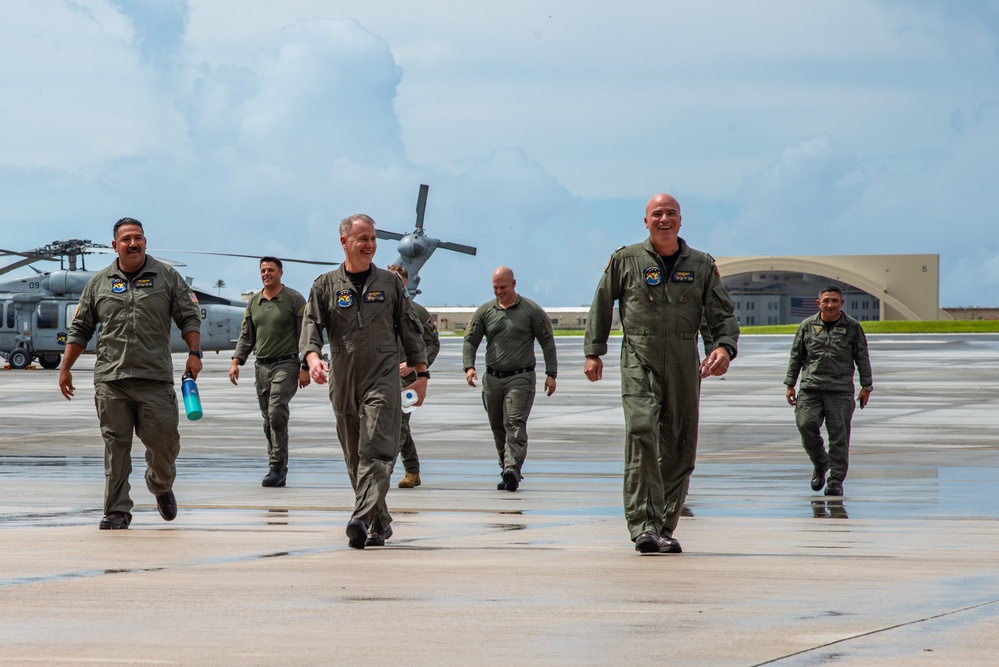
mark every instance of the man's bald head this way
{"type": "Point", "coordinates": [503, 286]}
{"type": "Point", "coordinates": [661, 200]}
{"type": "Point", "coordinates": [662, 219]}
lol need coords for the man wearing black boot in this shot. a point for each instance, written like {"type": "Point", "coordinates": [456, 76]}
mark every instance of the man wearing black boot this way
{"type": "Point", "coordinates": [828, 349]}
{"type": "Point", "coordinates": [134, 301]}
{"type": "Point", "coordinates": [271, 327]}
{"type": "Point", "coordinates": [364, 314]}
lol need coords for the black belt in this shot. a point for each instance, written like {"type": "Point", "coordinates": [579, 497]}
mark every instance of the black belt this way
{"type": "Point", "coordinates": [275, 360]}
{"type": "Point", "coordinates": [506, 374]}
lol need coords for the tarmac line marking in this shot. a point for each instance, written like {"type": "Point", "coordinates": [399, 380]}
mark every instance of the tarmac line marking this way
{"type": "Point", "coordinates": [874, 632]}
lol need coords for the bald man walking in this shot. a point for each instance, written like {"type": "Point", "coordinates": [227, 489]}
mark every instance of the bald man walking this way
{"type": "Point", "coordinates": [510, 323]}
{"type": "Point", "coordinates": [665, 291]}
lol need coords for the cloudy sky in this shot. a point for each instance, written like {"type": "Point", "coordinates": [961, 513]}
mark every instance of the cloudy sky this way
{"type": "Point", "coordinates": [541, 126]}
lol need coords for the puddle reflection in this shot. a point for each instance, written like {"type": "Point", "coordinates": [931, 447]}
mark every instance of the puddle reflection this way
{"type": "Point", "coordinates": [829, 509]}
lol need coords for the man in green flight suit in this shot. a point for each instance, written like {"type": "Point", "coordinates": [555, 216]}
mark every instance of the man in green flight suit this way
{"type": "Point", "coordinates": [364, 313]}
{"type": "Point", "coordinates": [407, 446]}
{"type": "Point", "coordinates": [272, 325]}
{"type": "Point", "coordinates": [134, 300]}
{"type": "Point", "coordinates": [510, 323]}
{"type": "Point", "coordinates": [663, 288]}
{"type": "Point", "coordinates": [827, 349]}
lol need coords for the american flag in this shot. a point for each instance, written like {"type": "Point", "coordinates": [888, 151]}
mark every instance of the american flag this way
{"type": "Point", "coordinates": [803, 308]}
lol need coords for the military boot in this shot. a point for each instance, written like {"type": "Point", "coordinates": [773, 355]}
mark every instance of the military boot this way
{"type": "Point", "coordinates": [410, 480]}
{"type": "Point", "coordinates": [275, 476]}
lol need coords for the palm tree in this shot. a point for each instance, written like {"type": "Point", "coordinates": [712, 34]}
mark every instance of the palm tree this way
{"type": "Point", "coordinates": [220, 284]}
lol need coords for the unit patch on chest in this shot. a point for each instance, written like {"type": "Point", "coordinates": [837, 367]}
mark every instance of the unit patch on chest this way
{"type": "Point", "coordinates": [653, 275]}
{"type": "Point", "coordinates": [118, 286]}
{"type": "Point", "coordinates": [683, 276]}
{"type": "Point", "coordinates": [344, 298]}
{"type": "Point", "coordinates": [374, 296]}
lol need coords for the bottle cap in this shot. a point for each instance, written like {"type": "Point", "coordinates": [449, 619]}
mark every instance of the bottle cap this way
{"type": "Point", "coordinates": [409, 399]}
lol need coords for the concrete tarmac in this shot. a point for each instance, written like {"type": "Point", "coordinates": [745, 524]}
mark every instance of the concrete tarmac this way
{"type": "Point", "coordinates": [903, 570]}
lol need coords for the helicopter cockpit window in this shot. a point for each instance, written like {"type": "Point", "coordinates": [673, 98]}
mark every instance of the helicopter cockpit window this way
{"type": "Point", "coordinates": [48, 315]}
{"type": "Point", "coordinates": [70, 312]}
{"type": "Point", "coordinates": [7, 321]}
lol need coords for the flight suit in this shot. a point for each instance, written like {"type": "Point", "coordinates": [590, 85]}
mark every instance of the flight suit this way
{"type": "Point", "coordinates": [508, 385]}
{"type": "Point", "coordinates": [272, 328]}
{"type": "Point", "coordinates": [660, 377]}
{"type": "Point", "coordinates": [364, 331]}
{"type": "Point", "coordinates": [826, 358]}
{"type": "Point", "coordinates": [133, 372]}
{"type": "Point", "coordinates": [407, 446]}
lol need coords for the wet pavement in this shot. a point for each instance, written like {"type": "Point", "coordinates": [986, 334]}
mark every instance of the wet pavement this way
{"type": "Point", "coordinates": [903, 570]}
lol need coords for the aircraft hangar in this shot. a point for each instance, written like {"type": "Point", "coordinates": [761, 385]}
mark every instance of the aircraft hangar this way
{"type": "Point", "coordinates": [783, 290]}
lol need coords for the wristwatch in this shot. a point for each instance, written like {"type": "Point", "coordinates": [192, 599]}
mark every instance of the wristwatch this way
{"type": "Point", "coordinates": [196, 353]}
{"type": "Point", "coordinates": [423, 374]}
{"type": "Point", "coordinates": [869, 388]}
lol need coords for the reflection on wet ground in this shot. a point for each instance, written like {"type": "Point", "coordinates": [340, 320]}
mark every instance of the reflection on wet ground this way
{"type": "Point", "coordinates": [566, 489]}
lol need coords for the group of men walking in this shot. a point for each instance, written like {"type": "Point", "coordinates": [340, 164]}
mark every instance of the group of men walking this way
{"type": "Point", "coordinates": [380, 342]}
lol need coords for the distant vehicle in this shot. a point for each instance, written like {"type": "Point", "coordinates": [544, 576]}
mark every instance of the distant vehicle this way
{"type": "Point", "coordinates": [36, 310]}
{"type": "Point", "coordinates": [415, 248]}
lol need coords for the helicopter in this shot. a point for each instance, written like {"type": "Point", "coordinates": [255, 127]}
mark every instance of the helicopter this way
{"type": "Point", "coordinates": [415, 248]}
{"type": "Point", "coordinates": [36, 310]}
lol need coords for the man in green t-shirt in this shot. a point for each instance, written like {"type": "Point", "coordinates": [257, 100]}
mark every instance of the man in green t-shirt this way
{"type": "Point", "coordinates": [272, 324]}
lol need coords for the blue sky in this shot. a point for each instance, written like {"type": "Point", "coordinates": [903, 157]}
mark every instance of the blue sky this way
{"type": "Point", "coordinates": [542, 127]}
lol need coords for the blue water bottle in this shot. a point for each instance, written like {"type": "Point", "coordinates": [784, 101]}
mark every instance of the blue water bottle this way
{"type": "Point", "coordinates": [192, 400]}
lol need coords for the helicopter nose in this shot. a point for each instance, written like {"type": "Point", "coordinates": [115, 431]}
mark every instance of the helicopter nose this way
{"type": "Point", "coordinates": [411, 246]}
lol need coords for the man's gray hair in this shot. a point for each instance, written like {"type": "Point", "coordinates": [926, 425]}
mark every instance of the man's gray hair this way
{"type": "Point", "coordinates": [349, 221]}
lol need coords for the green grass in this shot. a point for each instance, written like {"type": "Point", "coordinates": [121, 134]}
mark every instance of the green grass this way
{"type": "Point", "coordinates": [889, 326]}
{"type": "Point", "coordinates": [898, 326]}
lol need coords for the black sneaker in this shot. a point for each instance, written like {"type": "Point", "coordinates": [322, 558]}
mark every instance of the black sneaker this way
{"type": "Point", "coordinates": [115, 521]}
{"type": "Point", "coordinates": [276, 476]}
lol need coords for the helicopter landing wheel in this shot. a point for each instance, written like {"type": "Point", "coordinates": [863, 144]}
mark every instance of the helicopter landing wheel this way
{"type": "Point", "coordinates": [49, 361]}
{"type": "Point", "coordinates": [19, 358]}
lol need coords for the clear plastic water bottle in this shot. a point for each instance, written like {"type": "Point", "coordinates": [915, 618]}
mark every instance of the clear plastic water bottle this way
{"type": "Point", "coordinates": [192, 400]}
{"type": "Point", "coordinates": [409, 399]}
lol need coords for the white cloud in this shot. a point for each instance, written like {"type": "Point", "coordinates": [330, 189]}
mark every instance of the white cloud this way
{"type": "Point", "coordinates": [542, 128]}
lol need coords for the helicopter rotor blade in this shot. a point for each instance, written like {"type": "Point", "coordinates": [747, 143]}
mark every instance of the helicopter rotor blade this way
{"type": "Point", "coordinates": [234, 254]}
{"type": "Point", "coordinates": [421, 205]}
{"type": "Point", "coordinates": [33, 256]}
{"type": "Point", "coordinates": [23, 262]}
{"type": "Point", "coordinates": [392, 236]}
{"type": "Point", "coordinates": [457, 247]}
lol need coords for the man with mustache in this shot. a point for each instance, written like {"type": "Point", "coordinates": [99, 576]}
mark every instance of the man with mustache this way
{"type": "Point", "coordinates": [828, 348]}
{"type": "Point", "coordinates": [134, 301]}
